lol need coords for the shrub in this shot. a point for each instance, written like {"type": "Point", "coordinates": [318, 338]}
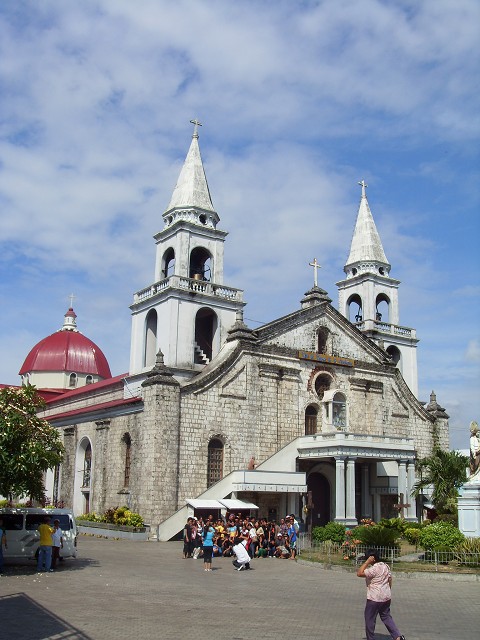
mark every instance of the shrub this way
{"type": "Point", "coordinates": [440, 536]}
{"type": "Point", "coordinates": [394, 523]}
{"type": "Point", "coordinates": [468, 552]}
{"type": "Point", "coordinates": [90, 517]}
{"type": "Point", "coordinates": [412, 535]}
{"type": "Point", "coordinates": [377, 536]}
{"type": "Point", "coordinates": [333, 531]}
{"type": "Point", "coordinates": [452, 518]}
{"type": "Point", "coordinates": [117, 515]}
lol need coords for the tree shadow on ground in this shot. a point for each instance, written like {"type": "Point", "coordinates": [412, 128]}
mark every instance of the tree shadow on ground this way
{"type": "Point", "coordinates": [24, 619]}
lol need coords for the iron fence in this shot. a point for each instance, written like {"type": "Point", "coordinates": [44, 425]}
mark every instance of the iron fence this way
{"type": "Point", "coordinates": [355, 554]}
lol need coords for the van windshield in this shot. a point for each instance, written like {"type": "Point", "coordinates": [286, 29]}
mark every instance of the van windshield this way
{"type": "Point", "coordinates": [12, 522]}
{"type": "Point", "coordinates": [33, 520]}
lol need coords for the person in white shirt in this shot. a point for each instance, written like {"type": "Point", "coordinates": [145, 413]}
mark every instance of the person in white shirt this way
{"type": "Point", "coordinates": [57, 543]}
{"type": "Point", "coordinates": [242, 559]}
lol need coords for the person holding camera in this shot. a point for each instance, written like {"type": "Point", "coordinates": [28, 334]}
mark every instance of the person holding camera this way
{"type": "Point", "coordinates": [379, 595]}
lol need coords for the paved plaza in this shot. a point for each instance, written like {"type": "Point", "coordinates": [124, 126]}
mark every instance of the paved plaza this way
{"type": "Point", "coordinates": [118, 590]}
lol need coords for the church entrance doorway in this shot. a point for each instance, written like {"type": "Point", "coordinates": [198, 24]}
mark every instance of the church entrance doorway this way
{"type": "Point", "coordinates": [318, 484]}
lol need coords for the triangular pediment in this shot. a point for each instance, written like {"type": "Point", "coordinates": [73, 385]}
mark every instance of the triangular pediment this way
{"type": "Point", "coordinates": [300, 330]}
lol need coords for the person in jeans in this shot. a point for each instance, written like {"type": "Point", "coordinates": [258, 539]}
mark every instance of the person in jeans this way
{"type": "Point", "coordinates": [45, 548]}
{"type": "Point", "coordinates": [379, 582]}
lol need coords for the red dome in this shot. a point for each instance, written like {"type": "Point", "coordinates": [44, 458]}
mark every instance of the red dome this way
{"type": "Point", "coordinates": [68, 351]}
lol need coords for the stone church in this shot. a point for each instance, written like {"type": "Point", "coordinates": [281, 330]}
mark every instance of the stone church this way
{"type": "Point", "coordinates": [324, 400]}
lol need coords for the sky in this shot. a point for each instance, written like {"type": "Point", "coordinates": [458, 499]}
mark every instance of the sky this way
{"type": "Point", "coordinates": [298, 101]}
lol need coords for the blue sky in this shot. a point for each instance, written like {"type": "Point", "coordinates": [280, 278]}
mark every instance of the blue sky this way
{"type": "Point", "coordinates": [299, 101]}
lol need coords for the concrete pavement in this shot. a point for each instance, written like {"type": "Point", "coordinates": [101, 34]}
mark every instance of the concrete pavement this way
{"type": "Point", "coordinates": [118, 590]}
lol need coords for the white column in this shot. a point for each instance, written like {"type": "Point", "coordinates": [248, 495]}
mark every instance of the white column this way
{"type": "Point", "coordinates": [366, 500]}
{"type": "Point", "coordinates": [402, 483]}
{"type": "Point", "coordinates": [292, 504]}
{"type": "Point", "coordinates": [412, 509]}
{"type": "Point", "coordinates": [340, 489]}
{"type": "Point", "coordinates": [377, 507]}
{"type": "Point", "coordinates": [350, 508]}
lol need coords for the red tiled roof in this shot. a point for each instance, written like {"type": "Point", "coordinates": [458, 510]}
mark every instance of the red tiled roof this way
{"type": "Point", "coordinates": [93, 408]}
{"type": "Point", "coordinates": [89, 388]}
{"type": "Point", "coordinates": [68, 351]}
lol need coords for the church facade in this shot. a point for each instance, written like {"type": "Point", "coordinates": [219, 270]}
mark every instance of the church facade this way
{"type": "Point", "coordinates": [323, 399]}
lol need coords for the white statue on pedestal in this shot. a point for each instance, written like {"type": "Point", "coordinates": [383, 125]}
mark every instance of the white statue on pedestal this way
{"type": "Point", "coordinates": [474, 451]}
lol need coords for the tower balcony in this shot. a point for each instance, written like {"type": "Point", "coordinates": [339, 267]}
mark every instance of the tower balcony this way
{"type": "Point", "coordinates": [189, 284]}
{"type": "Point", "coordinates": [386, 328]}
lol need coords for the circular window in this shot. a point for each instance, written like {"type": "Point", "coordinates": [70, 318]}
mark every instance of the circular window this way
{"type": "Point", "coordinates": [381, 271]}
{"type": "Point", "coordinates": [354, 272]}
{"type": "Point", "coordinates": [170, 219]}
{"type": "Point", "coordinates": [203, 218]}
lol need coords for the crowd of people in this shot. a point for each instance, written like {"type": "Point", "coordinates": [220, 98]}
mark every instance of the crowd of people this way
{"type": "Point", "coordinates": [241, 538]}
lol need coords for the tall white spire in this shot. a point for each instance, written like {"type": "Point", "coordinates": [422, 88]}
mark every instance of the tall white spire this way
{"type": "Point", "coordinates": [191, 190]}
{"type": "Point", "coordinates": [366, 244]}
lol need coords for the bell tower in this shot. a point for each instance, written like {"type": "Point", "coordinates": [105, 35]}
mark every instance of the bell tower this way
{"type": "Point", "coordinates": [187, 311]}
{"type": "Point", "coordinates": [368, 296]}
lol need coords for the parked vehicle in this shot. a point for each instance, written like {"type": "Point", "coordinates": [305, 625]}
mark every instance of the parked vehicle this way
{"type": "Point", "coordinates": [21, 526]}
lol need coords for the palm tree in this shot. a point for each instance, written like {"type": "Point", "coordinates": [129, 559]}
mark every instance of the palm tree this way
{"type": "Point", "coordinates": [446, 471]}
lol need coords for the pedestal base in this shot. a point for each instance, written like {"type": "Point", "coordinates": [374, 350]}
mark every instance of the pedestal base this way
{"type": "Point", "coordinates": [469, 509]}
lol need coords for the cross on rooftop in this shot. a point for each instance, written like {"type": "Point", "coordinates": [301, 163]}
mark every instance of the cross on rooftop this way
{"type": "Point", "coordinates": [196, 124]}
{"type": "Point", "coordinates": [364, 185]}
{"type": "Point", "coordinates": [315, 266]}
{"type": "Point", "coordinates": [72, 298]}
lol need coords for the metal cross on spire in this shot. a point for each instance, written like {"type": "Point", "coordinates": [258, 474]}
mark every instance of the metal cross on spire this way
{"type": "Point", "coordinates": [71, 298]}
{"type": "Point", "coordinates": [364, 185]}
{"type": "Point", "coordinates": [196, 124]}
{"type": "Point", "coordinates": [315, 266]}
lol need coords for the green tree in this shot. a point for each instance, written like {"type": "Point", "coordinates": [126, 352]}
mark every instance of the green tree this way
{"type": "Point", "coordinates": [446, 471]}
{"type": "Point", "coordinates": [29, 445]}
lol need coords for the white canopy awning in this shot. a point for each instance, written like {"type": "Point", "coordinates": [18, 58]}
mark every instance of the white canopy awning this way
{"type": "Point", "coordinates": [205, 504]}
{"type": "Point", "coordinates": [231, 505]}
{"type": "Point", "coordinates": [238, 505]}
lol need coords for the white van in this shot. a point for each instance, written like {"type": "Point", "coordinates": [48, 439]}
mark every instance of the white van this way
{"type": "Point", "coordinates": [20, 526]}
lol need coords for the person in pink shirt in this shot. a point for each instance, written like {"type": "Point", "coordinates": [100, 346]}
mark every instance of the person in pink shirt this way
{"type": "Point", "coordinates": [379, 595]}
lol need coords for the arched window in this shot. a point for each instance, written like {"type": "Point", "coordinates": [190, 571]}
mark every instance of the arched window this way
{"type": "Point", "coordinates": [354, 306]}
{"type": "Point", "coordinates": [200, 264]}
{"type": "Point", "coordinates": [87, 467]}
{"type": "Point", "coordinates": [150, 339]}
{"type": "Point", "coordinates": [322, 384]}
{"type": "Point", "coordinates": [339, 411]}
{"type": "Point", "coordinates": [311, 414]}
{"type": "Point", "coordinates": [168, 263]}
{"type": "Point", "coordinates": [206, 323]}
{"type": "Point", "coordinates": [89, 380]}
{"type": "Point", "coordinates": [127, 440]}
{"type": "Point", "coordinates": [323, 333]}
{"type": "Point", "coordinates": [215, 461]}
{"type": "Point", "coordinates": [395, 355]}
{"type": "Point", "coordinates": [72, 381]}
{"type": "Point", "coordinates": [382, 307]}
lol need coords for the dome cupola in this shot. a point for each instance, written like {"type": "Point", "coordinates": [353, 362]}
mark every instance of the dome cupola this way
{"type": "Point", "coordinates": [65, 360]}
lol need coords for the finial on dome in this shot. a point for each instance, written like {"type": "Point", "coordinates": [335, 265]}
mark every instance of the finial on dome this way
{"type": "Point", "coordinates": [196, 124]}
{"type": "Point", "coordinates": [70, 319]}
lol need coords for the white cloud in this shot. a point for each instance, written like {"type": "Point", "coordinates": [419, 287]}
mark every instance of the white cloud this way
{"type": "Point", "coordinates": [473, 351]}
{"type": "Point", "coordinates": [298, 101]}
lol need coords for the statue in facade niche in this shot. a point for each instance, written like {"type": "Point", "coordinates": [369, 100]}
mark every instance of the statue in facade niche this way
{"type": "Point", "coordinates": [474, 450]}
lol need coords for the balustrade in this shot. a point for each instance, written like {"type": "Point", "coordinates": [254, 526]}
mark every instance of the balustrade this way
{"type": "Point", "coordinates": [188, 284]}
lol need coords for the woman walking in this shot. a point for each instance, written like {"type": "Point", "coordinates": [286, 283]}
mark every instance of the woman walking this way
{"type": "Point", "coordinates": [379, 582]}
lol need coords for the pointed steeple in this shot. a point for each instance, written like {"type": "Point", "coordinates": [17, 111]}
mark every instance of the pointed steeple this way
{"type": "Point", "coordinates": [366, 244]}
{"type": "Point", "coordinates": [191, 192]}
